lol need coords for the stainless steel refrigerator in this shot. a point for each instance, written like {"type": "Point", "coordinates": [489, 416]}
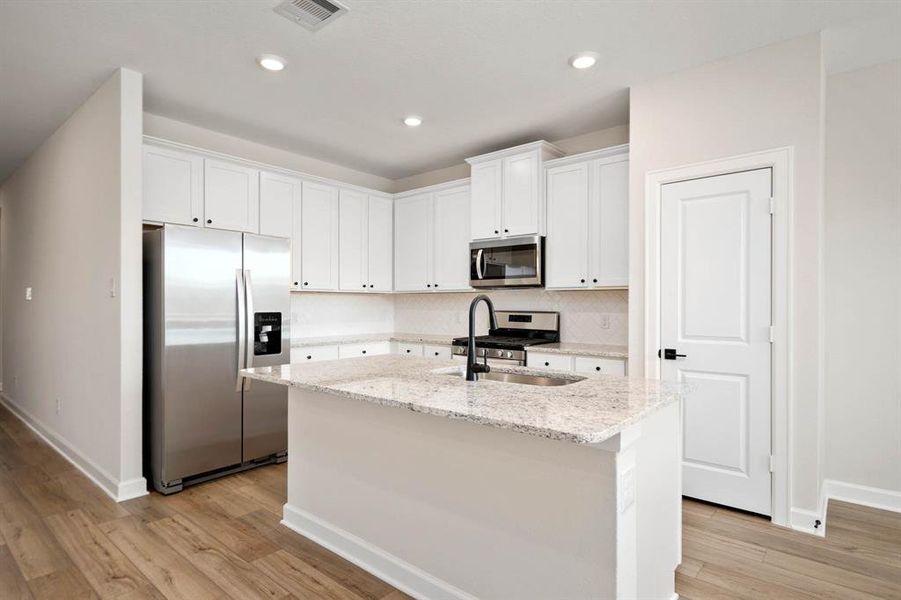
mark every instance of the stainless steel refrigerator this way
{"type": "Point", "coordinates": [215, 302]}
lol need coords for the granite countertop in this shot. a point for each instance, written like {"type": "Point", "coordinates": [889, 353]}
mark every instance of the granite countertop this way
{"type": "Point", "coordinates": [410, 338]}
{"type": "Point", "coordinates": [598, 350]}
{"type": "Point", "coordinates": [590, 411]}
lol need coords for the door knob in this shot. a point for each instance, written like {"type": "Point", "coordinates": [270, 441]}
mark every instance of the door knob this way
{"type": "Point", "coordinates": [670, 354]}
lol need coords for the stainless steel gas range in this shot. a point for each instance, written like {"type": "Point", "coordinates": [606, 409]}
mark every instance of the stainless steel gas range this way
{"type": "Point", "coordinates": [516, 332]}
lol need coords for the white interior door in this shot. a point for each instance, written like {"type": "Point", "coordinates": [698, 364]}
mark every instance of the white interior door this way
{"type": "Point", "coordinates": [715, 318]}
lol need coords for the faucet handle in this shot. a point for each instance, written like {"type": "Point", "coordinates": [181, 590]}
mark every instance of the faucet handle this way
{"type": "Point", "coordinates": [481, 368]}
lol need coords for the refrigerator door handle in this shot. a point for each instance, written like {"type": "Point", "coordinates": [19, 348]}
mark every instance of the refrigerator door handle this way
{"type": "Point", "coordinates": [242, 328]}
{"type": "Point", "coordinates": [248, 285]}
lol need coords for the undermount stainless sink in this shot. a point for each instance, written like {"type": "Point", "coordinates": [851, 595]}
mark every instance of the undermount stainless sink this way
{"type": "Point", "coordinates": [524, 379]}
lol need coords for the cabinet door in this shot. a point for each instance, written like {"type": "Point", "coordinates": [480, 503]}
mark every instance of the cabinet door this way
{"type": "Point", "coordinates": [319, 237]}
{"type": "Point", "coordinates": [610, 260]}
{"type": "Point", "coordinates": [381, 244]}
{"type": "Point", "coordinates": [173, 186]}
{"type": "Point", "coordinates": [604, 366]}
{"type": "Point", "coordinates": [277, 197]}
{"type": "Point", "coordinates": [352, 271]}
{"type": "Point", "coordinates": [409, 349]}
{"type": "Point", "coordinates": [297, 241]}
{"type": "Point", "coordinates": [521, 194]}
{"type": "Point", "coordinates": [485, 206]}
{"type": "Point", "coordinates": [566, 262]}
{"type": "Point", "coordinates": [412, 243]}
{"type": "Point", "coordinates": [231, 196]}
{"type": "Point", "coordinates": [558, 362]}
{"type": "Point", "coordinates": [451, 243]}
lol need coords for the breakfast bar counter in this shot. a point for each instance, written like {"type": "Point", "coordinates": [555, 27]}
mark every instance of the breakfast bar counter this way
{"type": "Point", "coordinates": [489, 489]}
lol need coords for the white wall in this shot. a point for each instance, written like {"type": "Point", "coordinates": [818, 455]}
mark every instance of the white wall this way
{"type": "Point", "coordinates": [581, 312]}
{"type": "Point", "coordinates": [863, 277]}
{"type": "Point", "coordinates": [71, 231]}
{"type": "Point", "coordinates": [185, 133]}
{"type": "Point", "coordinates": [767, 98]}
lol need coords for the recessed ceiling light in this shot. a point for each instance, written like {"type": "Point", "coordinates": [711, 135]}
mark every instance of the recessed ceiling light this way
{"type": "Point", "coordinates": [583, 60]}
{"type": "Point", "coordinates": [412, 121]}
{"type": "Point", "coordinates": [271, 62]}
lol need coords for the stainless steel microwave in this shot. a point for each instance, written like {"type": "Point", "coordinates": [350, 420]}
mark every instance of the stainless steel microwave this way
{"type": "Point", "coordinates": [511, 262]}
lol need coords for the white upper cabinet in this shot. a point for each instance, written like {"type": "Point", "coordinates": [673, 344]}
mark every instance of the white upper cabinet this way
{"type": "Point", "coordinates": [352, 245]}
{"type": "Point", "coordinates": [231, 196]}
{"type": "Point", "coordinates": [566, 247]}
{"type": "Point", "coordinates": [611, 222]}
{"type": "Point", "coordinates": [486, 202]}
{"type": "Point", "coordinates": [413, 243]}
{"type": "Point", "coordinates": [173, 186]}
{"type": "Point", "coordinates": [521, 198]}
{"type": "Point", "coordinates": [587, 242]}
{"type": "Point", "coordinates": [278, 195]}
{"type": "Point", "coordinates": [431, 240]}
{"type": "Point", "coordinates": [508, 191]}
{"type": "Point", "coordinates": [451, 239]}
{"type": "Point", "coordinates": [319, 237]}
{"type": "Point", "coordinates": [381, 244]}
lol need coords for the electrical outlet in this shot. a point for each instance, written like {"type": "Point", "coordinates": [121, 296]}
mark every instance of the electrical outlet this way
{"type": "Point", "coordinates": [605, 321]}
{"type": "Point", "coordinates": [28, 293]}
{"type": "Point", "coordinates": [59, 406]}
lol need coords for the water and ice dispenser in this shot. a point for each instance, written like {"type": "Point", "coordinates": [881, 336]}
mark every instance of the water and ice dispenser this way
{"type": "Point", "coordinates": [267, 333]}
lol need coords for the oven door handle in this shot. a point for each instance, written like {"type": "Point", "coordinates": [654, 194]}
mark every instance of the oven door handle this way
{"type": "Point", "coordinates": [479, 257]}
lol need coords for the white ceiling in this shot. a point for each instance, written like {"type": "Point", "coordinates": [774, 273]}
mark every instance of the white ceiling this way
{"type": "Point", "coordinates": [482, 74]}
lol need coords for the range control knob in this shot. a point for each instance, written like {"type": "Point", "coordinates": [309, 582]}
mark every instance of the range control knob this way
{"type": "Point", "coordinates": [508, 354]}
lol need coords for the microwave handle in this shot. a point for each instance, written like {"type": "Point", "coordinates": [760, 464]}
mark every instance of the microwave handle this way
{"type": "Point", "coordinates": [479, 256]}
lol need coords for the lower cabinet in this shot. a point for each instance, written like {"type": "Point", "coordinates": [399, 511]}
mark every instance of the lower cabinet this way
{"type": "Point", "coordinates": [364, 349]}
{"type": "Point", "coordinates": [304, 354]}
{"type": "Point", "coordinates": [577, 364]}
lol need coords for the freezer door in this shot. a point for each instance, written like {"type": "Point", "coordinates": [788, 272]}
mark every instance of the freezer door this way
{"type": "Point", "coordinates": [201, 404]}
{"type": "Point", "coordinates": [267, 271]}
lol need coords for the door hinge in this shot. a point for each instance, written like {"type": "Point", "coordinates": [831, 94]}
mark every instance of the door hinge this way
{"type": "Point", "coordinates": [772, 206]}
{"type": "Point", "coordinates": [772, 333]}
{"type": "Point", "coordinates": [772, 464]}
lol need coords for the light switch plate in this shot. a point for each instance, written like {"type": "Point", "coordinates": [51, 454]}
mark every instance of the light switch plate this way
{"type": "Point", "coordinates": [28, 293]}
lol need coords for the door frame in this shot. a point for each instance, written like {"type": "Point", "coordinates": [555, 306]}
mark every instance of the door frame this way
{"type": "Point", "coordinates": [781, 161]}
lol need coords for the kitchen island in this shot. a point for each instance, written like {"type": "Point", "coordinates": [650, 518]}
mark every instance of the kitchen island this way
{"type": "Point", "coordinates": [453, 489]}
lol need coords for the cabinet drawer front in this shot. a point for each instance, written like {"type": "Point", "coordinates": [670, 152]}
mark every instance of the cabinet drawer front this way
{"type": "Point", "coordinates": [607, 366]}
{"type": "Point", "coordinates": [367, 349]}
{"type": "Point", "coordinates": [313, 353]}
{"type": "Point", "coordinates": [409, 349]}
{"type": "Point", "coordinates": [442, 352]}
{"type": "Point", "coordinates": [560, 362]}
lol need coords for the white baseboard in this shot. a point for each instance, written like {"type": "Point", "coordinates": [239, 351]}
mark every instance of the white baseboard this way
{"type": "Point", "coordinates": [862, 494]}
{"type": "Point", "coordinates": [805, 520]}
{"type": "Point", "coordinates": [387, 567]}
{"type": "Point", "coordinates": [115, 489]}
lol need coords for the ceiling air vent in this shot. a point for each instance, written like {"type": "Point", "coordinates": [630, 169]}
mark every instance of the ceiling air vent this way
{"type": "Point", "coordinates": [312, 14]}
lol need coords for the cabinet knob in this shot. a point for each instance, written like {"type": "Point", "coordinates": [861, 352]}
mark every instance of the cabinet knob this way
{"type": "Point", "coordinates": [208, 221]}
{"type": "Point", "coordinates": [436, 354]}
{"type": "Point", "coordinates": [408, 350]}
{"type": "Point", "coordinates": [582, 280]}
{"type": "Point", "coordinates": [195, 219]}
{"type": "Point", "coordinates": [364, 285]}
{"type": "Point", "coordinates": [594, 281]}
{"type": "Point", "coordinates": [428, 285]}
{"type": "Point", "coordinates": [370, 285]}
{"type": "Point", "coordinates": [306, 283]}
{"type": "Point", "coordinates": [296, 283]}
{"type": "Point", "coordinates": [506, 231]}
{"type": "Point", "coordinates": [496, 231]}
{"type": "Point", "coordinates": [364, 352]}
{"type": "Point", "coordinates": [309, 357]}
{"type": "Point", "coordinates": [436, 285]}
{"type": "Point", "coordinates": [597, 368]}
{"type": "Point", "coordinates": [547, 364]}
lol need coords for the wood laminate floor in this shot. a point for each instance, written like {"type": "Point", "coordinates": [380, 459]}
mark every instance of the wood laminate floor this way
{"type": "Point", "coordinates": [61, 537]}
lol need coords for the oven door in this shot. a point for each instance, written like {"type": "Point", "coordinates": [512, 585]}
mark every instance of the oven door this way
{"type": "Point", "coordinates": [514, 262]}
